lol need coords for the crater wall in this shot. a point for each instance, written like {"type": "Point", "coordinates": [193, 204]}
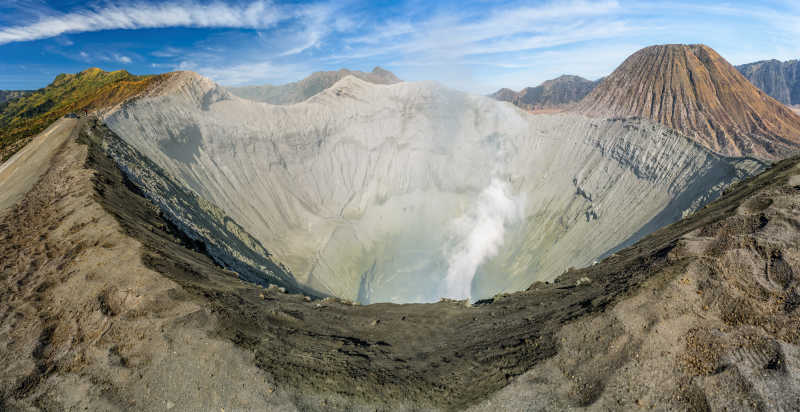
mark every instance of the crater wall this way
{"type": "Point", "coordinates": [374, 192]}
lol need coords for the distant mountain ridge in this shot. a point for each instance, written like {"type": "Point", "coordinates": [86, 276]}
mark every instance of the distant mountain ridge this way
{"type": "Point", "coordinates": [6, 95]}
{"type": "Point", "coordinates": [692, 89]}
{"type": "Point", "coordinates": [780, 80]}
{"type": "Point", "coordinates": [552, 93]}
{"type": "Point", "coordinates": [299, 91]}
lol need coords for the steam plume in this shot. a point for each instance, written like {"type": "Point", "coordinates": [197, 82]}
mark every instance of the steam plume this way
{"type": "Point", "coordinates": [478, 235]}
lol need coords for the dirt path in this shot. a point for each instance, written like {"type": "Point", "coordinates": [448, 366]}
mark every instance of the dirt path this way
{"type": "Point", "coordinates": [85, 325]}
{"type": "Point", "coordinates": [21, 171]}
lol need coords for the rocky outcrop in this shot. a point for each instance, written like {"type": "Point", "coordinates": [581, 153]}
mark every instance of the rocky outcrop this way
{"type": "Point", "coordinates": [553, 93]}
{"type": "Point", "coordinates": [300, 91]}
{"type": "Point", "coordinates": [692, 89]}
{"type": "Point", "coordinates": [780, 80]}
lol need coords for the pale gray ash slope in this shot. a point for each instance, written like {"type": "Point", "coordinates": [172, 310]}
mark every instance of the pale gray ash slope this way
{"type": "Point", "coordinates": [374, 192]}
{"type": "Point", "coordinates": [299, 91]}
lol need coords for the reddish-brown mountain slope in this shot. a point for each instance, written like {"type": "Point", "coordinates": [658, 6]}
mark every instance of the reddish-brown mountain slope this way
{"type": "Point", "coordinates": [692, 89]}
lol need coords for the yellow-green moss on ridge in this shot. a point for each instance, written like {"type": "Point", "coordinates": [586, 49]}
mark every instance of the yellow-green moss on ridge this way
{"type": "Point", "coordinates": [23, 118]}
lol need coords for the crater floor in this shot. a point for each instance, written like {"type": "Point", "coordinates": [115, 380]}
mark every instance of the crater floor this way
{"type": "Point", "coordinates": [411, 192]}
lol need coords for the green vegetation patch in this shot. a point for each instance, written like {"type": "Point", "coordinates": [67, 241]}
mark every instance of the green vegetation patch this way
{"type": "Point", "coordinates": [21, 119]}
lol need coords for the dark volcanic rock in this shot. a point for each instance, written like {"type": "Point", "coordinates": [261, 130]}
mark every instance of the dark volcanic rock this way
{"type": "Point", "coordinates": [504, 95]}
{"type": "Point", "coordinates": [692, 89]}
{"type": "Point", "coordinates": [550, 94]}
{"type": "Point", "coordinates": [780, 80]}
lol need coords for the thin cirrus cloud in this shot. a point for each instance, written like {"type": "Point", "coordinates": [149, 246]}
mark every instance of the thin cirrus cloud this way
{"type": "Point", "coordinates": [122, 59]}
{"type": "Point", "coordinates": [256, 15]}
{"type": "Point", "coordinates": [265, 72]}
{"type": "Point", "coordinates": [100, 56]}
{"type": "Point", "coordinates": [470, 44]}
{"type": "Point", "coordinates": [507, 29]}
{"type": "Point", "coordinates": [451, 37]}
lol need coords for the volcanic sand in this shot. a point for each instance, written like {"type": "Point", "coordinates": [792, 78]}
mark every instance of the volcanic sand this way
{"type": "Point", "coordinates": [103, 307]}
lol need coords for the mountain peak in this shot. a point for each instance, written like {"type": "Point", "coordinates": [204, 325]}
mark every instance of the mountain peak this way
{"type": "Point", "coordinates": [385, 74]}
{"type": "Point", "coordinates": [566, 78]}
{"type": "Point", "coordinates": [692, 89]}
{"type": "Point", "coordinates": [553, 93]}
{"type": "Point", "coordinates": [314, 84]}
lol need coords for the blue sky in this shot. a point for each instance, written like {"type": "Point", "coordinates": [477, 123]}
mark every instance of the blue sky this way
{"type": "Point", "coordinates": [478, 46]}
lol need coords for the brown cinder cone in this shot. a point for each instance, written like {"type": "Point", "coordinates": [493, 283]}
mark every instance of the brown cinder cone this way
{"type": "Point", "coordinates": [692, 89]}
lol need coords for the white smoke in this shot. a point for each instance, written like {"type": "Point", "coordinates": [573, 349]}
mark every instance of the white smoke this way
{"type": "Point", "coordinates": [478, 235]}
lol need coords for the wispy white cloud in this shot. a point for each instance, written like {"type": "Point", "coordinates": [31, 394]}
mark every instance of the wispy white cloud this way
{"type": "Point", "coordinates": [122, 59]}
{"type": "Point", "coordinates": [471, 44]}
{"type": "Point", "coordinates": [521, 45]}
{"type": "Point", "coordinates": [741, 31]}
{"type": "Point", "coordinates": [591, 61]}
{"type": "Point", "coordinates": [64, 41]}
{"type": "Point", "coordinates": [504, 30]}
{"type": "Point", "coordinates": [315, 25]}
{"type": "Point", "coordinates": [249, 72]}
{"type": "Point", "coordinates": [167, 52]}
{"type": "Point", "coordinates": [474, 49]}
{"type": "Point", "coordinates": [96, 56]}
{"type": "Point", "coordinates": [258, 14]}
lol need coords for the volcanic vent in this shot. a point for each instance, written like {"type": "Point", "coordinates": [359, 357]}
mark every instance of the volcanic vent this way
{"type": "Point", "coordinates": [692, 89]}
{"type": "Point", "coordinates": [410, 192]}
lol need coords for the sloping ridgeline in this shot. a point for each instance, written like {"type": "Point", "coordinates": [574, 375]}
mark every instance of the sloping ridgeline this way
{"type": "Point", "coordinates": [91, 89]}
